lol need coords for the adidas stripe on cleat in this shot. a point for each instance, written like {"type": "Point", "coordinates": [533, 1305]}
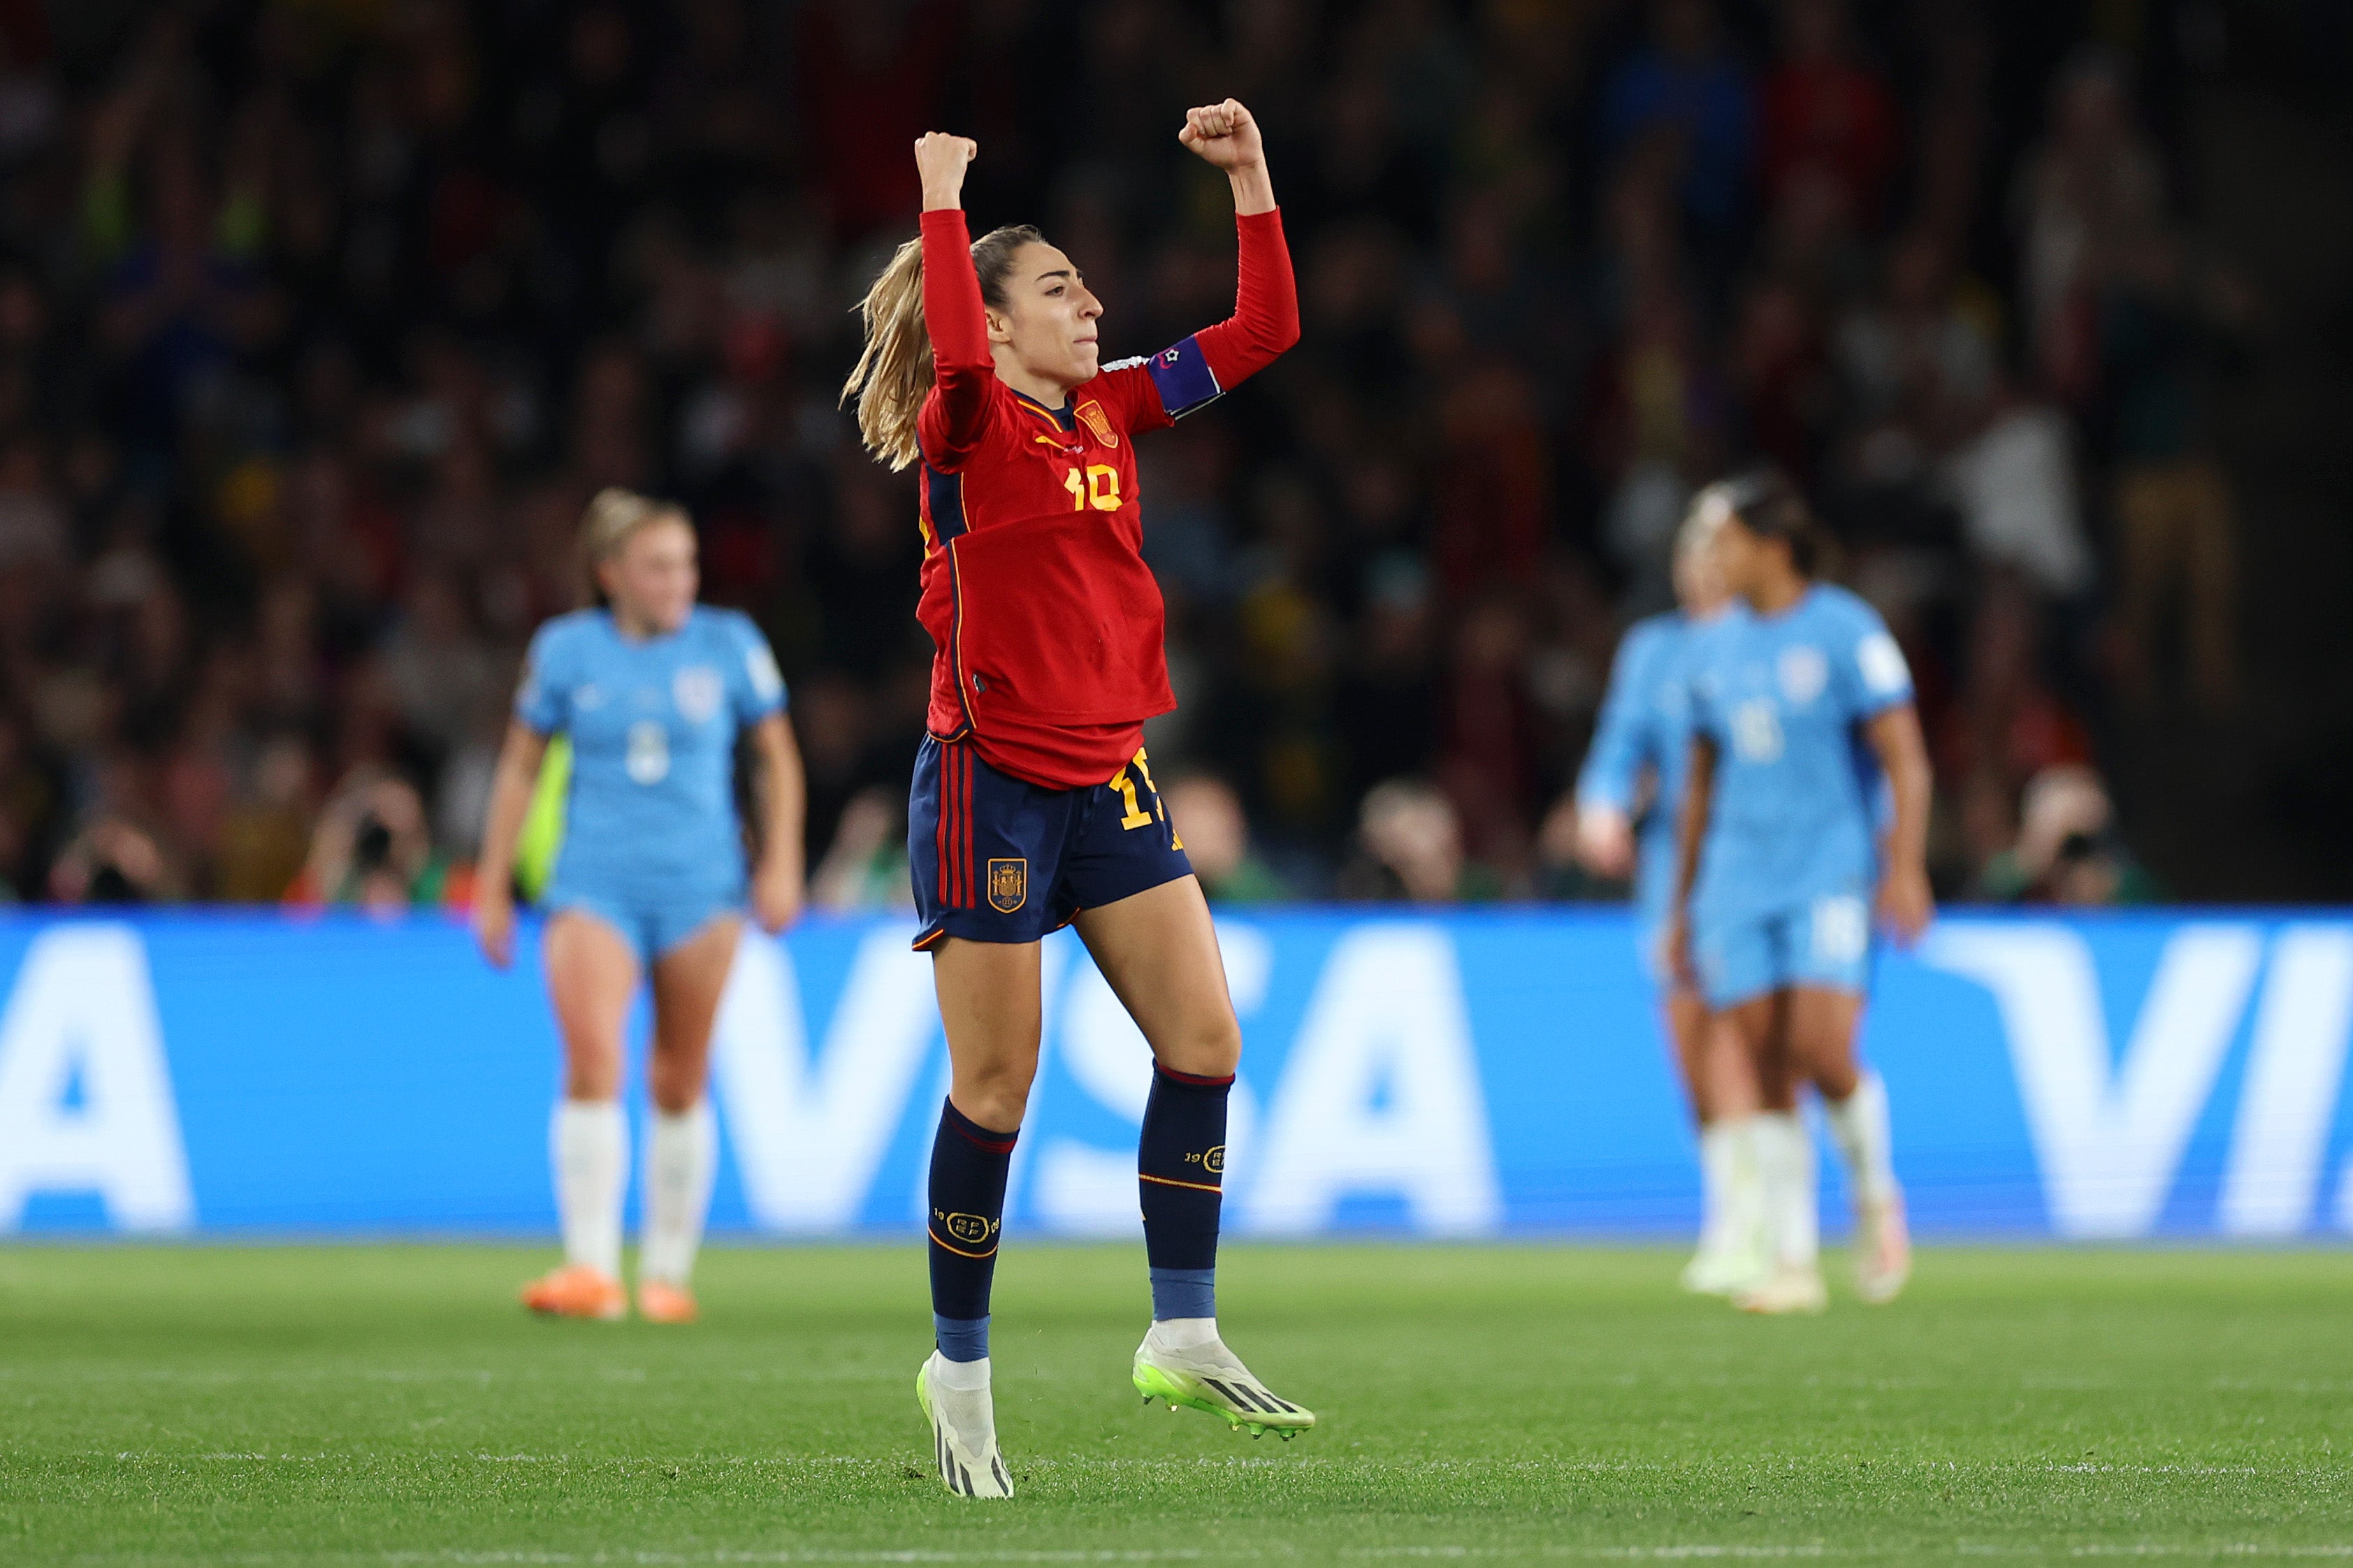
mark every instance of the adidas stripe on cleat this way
{"type": "Point", "coordinates": [963, 1437]}
{"type": "Point", "coordinates": [1212, 1378]}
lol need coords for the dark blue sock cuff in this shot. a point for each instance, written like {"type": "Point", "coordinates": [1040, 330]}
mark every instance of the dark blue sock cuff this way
{"type": "Point", "coordinates": [1184, 1293]}
{"type": "Point", "coordinates": [962, 1339]}
{"type": "Point", "coordinates": [987, 1138]}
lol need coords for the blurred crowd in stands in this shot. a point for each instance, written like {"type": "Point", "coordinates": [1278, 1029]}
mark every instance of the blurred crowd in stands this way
{"type": "Point", "coordinates": [320, 320]}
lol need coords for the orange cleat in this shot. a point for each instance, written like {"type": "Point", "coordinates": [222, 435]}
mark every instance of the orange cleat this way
{"type": "Point", "coordinates": [577, 1291]}
{"type": "Point", "coordinates": [658, 1302]}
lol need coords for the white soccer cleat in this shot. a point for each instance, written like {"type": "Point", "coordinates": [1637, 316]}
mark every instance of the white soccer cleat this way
{"type": "Point", "coordinates": [1719, 1269]}
{"type": "Point", "coordinates": [1790, 1288]}
{"type": "Point", "coordinates": [1882, 1250]}
{"type": "Point", "coordinates": [1212, 1378]}
{"type": "Point", "coordinates": [964, 1436]}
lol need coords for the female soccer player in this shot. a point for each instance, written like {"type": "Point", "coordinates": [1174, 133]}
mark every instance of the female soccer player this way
{"type": "Point", "coordinates": [1032, 806]}
{"type": "Point", "coordinates": [1801, 703]}
{"type": "Point", "coordinates": [653, 691]}
{"type": "Point", "coordinates": [1627, 795]}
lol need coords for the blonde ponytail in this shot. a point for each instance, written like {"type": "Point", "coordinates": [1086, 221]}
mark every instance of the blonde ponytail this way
{"type": "Point", "coordinates": [894, 370]}
{"type": "Point", "coordinates": [894, 374]}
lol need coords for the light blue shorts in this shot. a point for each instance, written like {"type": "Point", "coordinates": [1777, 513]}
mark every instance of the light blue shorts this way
{"type": "Point", "coordinates": [1825, 944]}
{"type": "Point", "coordinates": [651, 926]}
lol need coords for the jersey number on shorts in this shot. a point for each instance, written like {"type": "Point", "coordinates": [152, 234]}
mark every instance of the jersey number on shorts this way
{"type": "Point", "coordinates": [1125, 782]}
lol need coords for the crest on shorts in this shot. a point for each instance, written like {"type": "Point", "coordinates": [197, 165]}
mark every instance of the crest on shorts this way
{"type": "Point", "coordinates": [1092, 416]}
{"type": "Point", "coordinates": [1009, 885]}
{"type": "Point", "coordinates": [1214, 1161]}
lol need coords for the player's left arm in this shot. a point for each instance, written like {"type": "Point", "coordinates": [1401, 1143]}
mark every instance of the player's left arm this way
{"type": "Point", "coordinates": [1906, 903]}
{"type": "Point", "coordinates": [1266, 295]}
{"type": "Point", "coordinates": [1878, 686]}
{"type": "Point", "coordinates": [778, 881]}
{"type": "Point", "coordinates": [1196, 372]}
{"type": "Point", "coordinates": [779, 785]}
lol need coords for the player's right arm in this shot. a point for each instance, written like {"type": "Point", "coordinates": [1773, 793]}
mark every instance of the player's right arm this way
{"type": "Point", "coordinates": [956, 415]}
{"type": "Point", "coordinates": [1605, 785]}
{"type": "Point", "coordinates": [1691, 831]}
{"type": "Point", "coordinates": [511, 788]}
{"type": "Point", "coordinates": [539, 713]}
{"type": "Point", "coordinates": [1692, 816]}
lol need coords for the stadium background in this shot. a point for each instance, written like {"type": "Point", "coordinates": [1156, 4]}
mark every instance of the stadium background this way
{"type": "Point", "coordinates": [318, 321]}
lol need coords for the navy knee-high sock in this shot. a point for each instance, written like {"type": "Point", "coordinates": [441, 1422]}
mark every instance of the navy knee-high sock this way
{"type": "Point", "coordinates": [970, 1164]}
{"type": "Point", "coordinates": [1180, 1166]}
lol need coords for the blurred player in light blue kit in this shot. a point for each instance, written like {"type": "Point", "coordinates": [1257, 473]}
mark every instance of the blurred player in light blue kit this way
{"type": "Point", "coordinates": [1627, 798]}
{"type": "Point", "coordinates": [1801, 719]}
{"type": "Point", "coordinates": [653, 692]}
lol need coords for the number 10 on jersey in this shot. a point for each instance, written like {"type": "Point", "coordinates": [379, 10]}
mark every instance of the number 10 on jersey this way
{"type": "Point", "coordinates": [1098, 489]}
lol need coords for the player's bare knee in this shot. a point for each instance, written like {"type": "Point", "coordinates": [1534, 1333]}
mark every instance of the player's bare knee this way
{"type": "Point", "coordinates": [1833, 1072]}
{"type": "Point", "coordinates": [995, 1094]}
{"type": "Point", "coordinates": [591, 1079]}
{"type": "Point", "coordinates": [1000, 1109]}
{"type": "Point", "coordinates": [1211, 1048]}
{"type": "Point", "coordinates": [674, 1080]}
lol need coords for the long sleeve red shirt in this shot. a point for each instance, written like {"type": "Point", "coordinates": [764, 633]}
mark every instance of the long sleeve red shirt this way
{"type": "Point", "coordinates": [1047, 623]}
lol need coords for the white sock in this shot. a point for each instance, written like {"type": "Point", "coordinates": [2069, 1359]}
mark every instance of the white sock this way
{"type": "Point", "coordinates": [1731, 1195]}
{"type": "Point", "coordinates": [960, 1376]}
{"type": "Point", "coordinates": [1859, 1127]}
{"type": "Point", "coordinates": [681, 1155]}
{"type": "Point", "coordinates": [1785, 1164]}
{"type": "Point", "coordinates": [589, 1144]}
{"type": "Point", "coordinates": [1719, 1164]}
{"type": "Point", "coordinates": [1184, 1334]}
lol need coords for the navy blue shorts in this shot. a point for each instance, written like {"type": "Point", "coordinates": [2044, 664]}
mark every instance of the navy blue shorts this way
{"type": "Point", "coordinates": [996, 859]}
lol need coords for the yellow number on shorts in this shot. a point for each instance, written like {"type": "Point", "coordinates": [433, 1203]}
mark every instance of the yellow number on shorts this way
{"type": "Point", "coordinates": [1136, 815]}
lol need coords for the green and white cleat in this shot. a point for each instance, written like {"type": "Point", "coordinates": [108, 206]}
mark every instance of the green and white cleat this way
{"type": "Point", "coordinates": [1212, 1378]}
{"type": "Point", "coordinates": [964, 1436]}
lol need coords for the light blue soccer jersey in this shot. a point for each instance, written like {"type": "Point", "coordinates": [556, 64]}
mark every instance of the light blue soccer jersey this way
{"type": "Point", "coordinates": [651, 812]}
{"type": "Point", "coordinates": [1796, 786]}
{"type": "Point", "coordinates": [1645, 721]}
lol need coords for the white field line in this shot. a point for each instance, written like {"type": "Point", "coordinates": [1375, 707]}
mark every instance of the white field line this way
{"type": "Point", "coordinates": [1663, 1552]}
{"type": "Point", "coordinates": [1344, 1463]}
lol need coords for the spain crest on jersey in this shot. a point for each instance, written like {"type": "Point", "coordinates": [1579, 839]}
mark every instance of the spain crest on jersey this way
{"type": "Point", "coordinates": [1009, 885]}
{"type": "Point", "coordinates": [1092, 416]}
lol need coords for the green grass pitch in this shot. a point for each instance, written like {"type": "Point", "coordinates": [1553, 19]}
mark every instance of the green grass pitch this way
{"type": "Point", "coordinates": [389, 1404]}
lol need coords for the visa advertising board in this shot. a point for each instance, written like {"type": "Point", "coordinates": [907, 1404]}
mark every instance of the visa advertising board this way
{"type": "Point", "coordinates": [1445, 1074]}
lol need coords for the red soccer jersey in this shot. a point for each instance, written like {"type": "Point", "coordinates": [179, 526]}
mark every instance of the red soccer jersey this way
{"type": "Point", "coordinates": [1047, 623]}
